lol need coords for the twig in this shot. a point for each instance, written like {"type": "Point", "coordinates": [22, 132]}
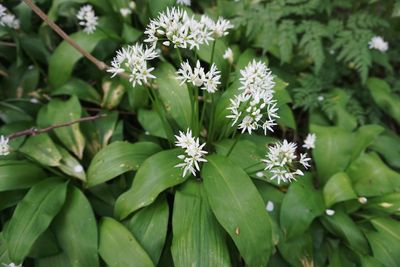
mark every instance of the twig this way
{"type": "Point", "coordinates": [99, 64]}
{"type": "Point", "coordinates": [35, 131]}
{"type": "Point", "coordinates": [7, 44]}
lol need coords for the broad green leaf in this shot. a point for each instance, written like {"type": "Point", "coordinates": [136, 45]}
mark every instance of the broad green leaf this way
{"type": "Point", "coordinates": [76, 230]}
{"type": "Point", "coordinates": [80, 88]}
{"type": "Point", "coordinates": [46, 245]}
{"type": "Point", "coordinates": [64, 57]}
{"type": "Point", "coordinates": [42, 149]}
{"type": "Point", "coordinates": [10, 113]}
{"type": "Point", "coordinates": [19, 174]}
{"type": "Point", "coordinates": [371, 176]}
{"type": "Point", "coordinates": [383, 205]}
{"type": "Point", "coordinates": [59, 260]}
{"type": "Point", "coordinates": [57, 112]}
{"type": "Point", "coordinates": [198, 239]}
{"type": "Point", "coordinates": [10, 198]}
{"type": "Point", "coordinates": [301, 204]}
{"type": "Point", "coordinates": [117, 158]}
{"type": "Point", "coordinates": [298, 251]}
{"type": "Point", "coordinates": [156, 174]}
{"type": "Point", "coordinates": [239, 208]}
{"type": "Point", "coordinates": [342, 225]}
{"type": "Point", "coordinates": [33, 216]}
{"type": "Point", "coordinates": [119, 248]}
{"type": "Point", "coordinates": [388, 145]}
{"type": "Point", "coordinates": [333, 150]}
{"type": "Point", "coordinates": [156, 6]}
{"type": "Point", "coordinates": [107, 126]}
{"type": "Point", "coordinates": [384, 98]}
{"type": "Point", "coordinates": [387, 226]}
{"type": "Point", "coordinates": [151, 122]}
{"type": "Point", "coordinates": [4, 258]}
{"type": "Point", "coordinates": [130, 34]}
{"type": "Point", "coordinates": [175, 97]}
{"type": "Point", "coordinates": [385, 248]}
{"type": "Point", "coordinates": [364, 137]}
{"type": "Point", "coordinates": [53, 12]}
{"type": "Point", "coordinates": [149, 226]}
{"type": "Point", "coordinates": [69, 165]}
{"type": "Point", "coordinates": [337, 189]}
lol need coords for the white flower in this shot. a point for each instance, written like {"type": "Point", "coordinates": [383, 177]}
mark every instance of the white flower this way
{"type": "Point", "coordinates": [362, 200]}
{"type": "Point", "coordinates": [3, 10]}
{"type": "Point", "coordinates": [218, 28]}
{"type": "Point", "coordinates": [198, 77]}
{"type": "Point", "coordinates": [12, 265]}
{"type": "Point", "coordinates": [87, 19]}
{"type": "Point", "coordinates": [132, 5]}
{"type": "Point", "coordinates": [194, 154]}
{"type": "Point", "coordinates": [280, 161]}
{"type": "Point", "coordinates": [183, 2]}
{"type": "Point", "coordinates": [256, 97]}
{"type": "Point", "coordinates": [133, 59]}
{"type": "Point", "coordinates": [9, 20]}
{"type": "Point", "coordinates": [378, 43]}
{"type": "Point", "coordinates": [329, 212]}
{"type": "Point", "coordinates": [228, 55]}
{"type": "Point", "coordinates": [270, 206]}
{"type": "Point", "coordinates": [4, 147]}
{"type": "Point", "coordinates": [309, 142]}
{"type": "Point", "coordinates": [125, 11]}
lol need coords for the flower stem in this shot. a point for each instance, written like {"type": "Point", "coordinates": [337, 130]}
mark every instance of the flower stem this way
{"type": "Point", "coordinates": [212, 51]}
{"type": "Point", "coordinates": [203, 110]}
{"type": "Point", "coordinates": [234, 143]}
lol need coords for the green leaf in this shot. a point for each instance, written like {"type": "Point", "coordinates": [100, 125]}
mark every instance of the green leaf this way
{"type": "Point", "coordinates": [301, 204]}
{"type": "Point", "coordinates": [64, 57]}
{"type": "Point", "coordinates": [333, 150]}
{"type": "Point", "coordinates": [118, 158]}
{"type": "Point", "coordinates": [385, 248]}
{"type": "Point", "coordinates": [19, 174]}
{"type": "Point", "coordinates": [384, 98]}
{"type": "Point", "coordinates": [388, 145]}
{"type": "Point", "coordinates": [80, 88]}
{"type": "Point", "coordinates": [286, 117]}
{"type": "Point", "coordinates": [371, 177]}
{"type": "Point", "coordinates": [156, 6]}
{"type": "Point", "coordinates": [337, 189]}
{"type": "Point", "coordinates": [156, 174]}
{"type": "Point", "coordinates": [57, 112]}
{"type": "Point", "coordinates": [151, 122]}
{"type": "Point", "coordinates": [69, 165]}
{"type": "Point", "coordinates": [387, 226]}
{"type": "Point", "coordinates": [174, 96]}
{"type": "Point", "coordinates": [42, 149]}
{"type": "Point", "coordinates": [33, 216]}
{"type": "Point", "coordinates": [239, 208]}
{"type": "Point", "coordinates": [119, 248]}
{"type": "Point", "coordinates": [298, 251]}
{"type": "Point", "coordinates": [364, 137]}
{"type": "Point", "coordinates": [196, 232]}
{"type": "Point", "coordinates": [76, 230]}
{"type": "Point", "coordinates": [342, 225]}
{"type": "Point", "coordinates": [113, 91]}
{"type": "Point", "coordinates": [149, 226]}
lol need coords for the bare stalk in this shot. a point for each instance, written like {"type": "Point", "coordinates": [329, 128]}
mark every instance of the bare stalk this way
{"type": "Point", "coordinates": [35, 131]}
{"type": "Point", "coordinates": [99, 64]}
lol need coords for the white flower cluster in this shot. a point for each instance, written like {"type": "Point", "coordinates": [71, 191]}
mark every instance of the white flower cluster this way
{"type": "Point", "coordinates": [193, 152]}
{"type": "Point", "coordinates": [183, 2]}
{"type": "Point", "coordinates": [309, 142]}
{"type": "Point", "coordinates": [378, 43]}
{"type": "Point", "coordinates": [257, 86]}
{"type": "Point", "coordinates": [87, 18]}
{"type": "Point", "coordinates": [281, 159]}
{"type": "Point", "coordinates": [176, 27]}
{"type": "Point", "coordinates": [133, 59]}
{"type": "Point", "coordinates": [7, 19]}
{"type": "Point", "coordinates": [11, 265]}
{"type": "Point", "coordinates": [126, 11]}
{"type": "Point", "coordinates": [4, 147]}
{"type": "Point", "coordinates": [208, 81]}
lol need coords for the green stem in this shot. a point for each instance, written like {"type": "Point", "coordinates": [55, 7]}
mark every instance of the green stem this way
{"type": "Point", "coordinates": [196, 110]}
{"type": "Point", "coordinates": [212, 51]}
{"type": "Point", "coordinates": [211, 123]}
{"type": "Point", "coordinates": [234, 143]}
{"type": "Point", "coordinates": [179, 55]}
{"type": "Point", "coordinates": [203, 110]}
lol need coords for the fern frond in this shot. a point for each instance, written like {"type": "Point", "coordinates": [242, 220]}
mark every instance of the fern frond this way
{"type": "Point", "coordinates": [287, 39]}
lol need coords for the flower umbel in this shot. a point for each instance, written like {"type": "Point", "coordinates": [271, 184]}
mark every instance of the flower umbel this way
{"type": "Point", "coordinates": [183, 2]}
{"type": "Point", "coordinates": [378, 43]}
{"type": "Point", "coordinates": [4, 147]}
{"type": "Point", "coordinates": [255, 107]}
{"type": "Point", "coordinates": [7, 19]}
{"type": "Point", "coordinates": [194, 154]}
{"type": "Point", "coordinates": [87, 19]}
{"type": "Point", "coordinates": [133, 59]}
{"type": "Point", "coordinates": [208, 81]}
{"type": "Point", "coordinates": [281, 160]}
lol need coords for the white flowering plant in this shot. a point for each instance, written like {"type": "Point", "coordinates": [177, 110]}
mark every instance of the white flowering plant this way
{"type": "Point", "coordinates": [199, 133]}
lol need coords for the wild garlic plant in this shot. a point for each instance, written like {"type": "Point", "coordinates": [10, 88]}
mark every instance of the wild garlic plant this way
{"type": "Point", "coordinates": [176, 34]}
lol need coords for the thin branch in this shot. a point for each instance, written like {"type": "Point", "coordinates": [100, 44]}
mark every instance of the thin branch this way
{"type": "Point", "coordinates": [35, 131]}
{"type": "Point", "coordinates": [8, 44]}
{"type": "Point", "coordinates": [99, 64]}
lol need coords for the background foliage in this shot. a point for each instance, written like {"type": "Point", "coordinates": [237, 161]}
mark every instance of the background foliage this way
{"type": "Point", "coordinates": [131, 207]}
